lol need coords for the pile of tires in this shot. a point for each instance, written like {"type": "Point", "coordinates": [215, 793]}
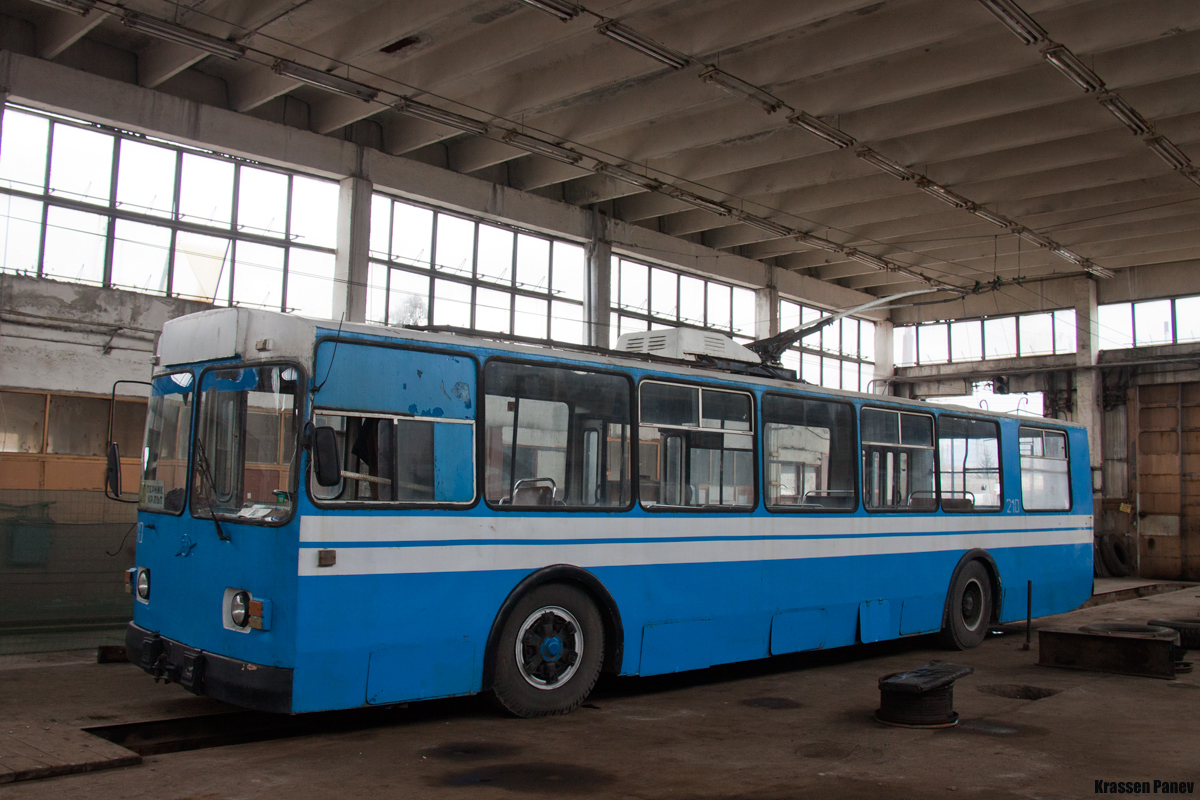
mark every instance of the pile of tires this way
{"type": "Point", "coordinates": [1115, 556]}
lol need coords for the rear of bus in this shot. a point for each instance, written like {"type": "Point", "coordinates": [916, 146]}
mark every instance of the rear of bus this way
{"type": "Point", "coordinates": [217, 529]}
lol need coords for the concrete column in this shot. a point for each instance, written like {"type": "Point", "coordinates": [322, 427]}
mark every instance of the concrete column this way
{"type": "Point", "coordinates": [885, 366]}
{"type": "Point", "coordinates": [766, 308]}
{"type": "Point", "coordinates": [1089, 409]}
{"type": "Point", "coordinates": [597, 314]}
{"type": "Point", "coordinates": [353, 242]}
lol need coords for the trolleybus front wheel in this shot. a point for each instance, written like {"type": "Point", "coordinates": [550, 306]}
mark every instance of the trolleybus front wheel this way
{"type": "Point", "coordinates": [968, 608]}
{"type": "Point", "coordinates": [549, 652]}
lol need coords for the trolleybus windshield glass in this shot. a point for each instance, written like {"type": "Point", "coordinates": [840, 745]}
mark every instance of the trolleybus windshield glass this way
{"type": "Point", "coordinates": [165, 454]}
{"type": "Point", "coordinates": [246, 444]}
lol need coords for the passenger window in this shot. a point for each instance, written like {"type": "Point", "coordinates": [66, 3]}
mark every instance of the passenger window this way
{"type": "Point", "coordinates": [399, 460]}
{"type": "Point", "coordinates": [968, 464]}
{"type": "Point", "coordinates": [1045, 470]}
{"type": "Point", "coordinates": [810, 454]}
{"type": "Point", "coordinates": [556, 437]}
{"type": "Point", "coordinates": [695, 447]}
{"type": "Point", "coordinates": [897, 453]}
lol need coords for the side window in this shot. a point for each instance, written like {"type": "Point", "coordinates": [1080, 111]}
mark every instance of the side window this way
{"type": "Point", "coordinates": [393, 460]}
{"type": "Point", "coordinates": [897, 454]}
{"type": "Point", "coordinates": [556, 437]}
{"type": "Point", "coordinates": [695, 447]}
{"type": "Point", "coordinates": [1045, 470]}
{"type": "Point", "coordinates": [968, 464]}
{"type": "Point", "coordinates": [809, 446]}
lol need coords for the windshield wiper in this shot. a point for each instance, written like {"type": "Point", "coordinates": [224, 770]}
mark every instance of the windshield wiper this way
{"type": "Point", "coordinates": [206, 473]}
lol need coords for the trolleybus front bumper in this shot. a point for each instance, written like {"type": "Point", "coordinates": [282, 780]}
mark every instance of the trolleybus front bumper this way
{"type": "Point", "coordinates": [226, 679]}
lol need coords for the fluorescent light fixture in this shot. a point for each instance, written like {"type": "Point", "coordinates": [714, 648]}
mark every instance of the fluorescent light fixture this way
{"type": "Point", "coordinates": [178, 34]}
{"type": "Point", "coordinates": [1016, 20]}
{"type": "Point", "coordinates": [77, 7]}
{"type": "Point", "coordinates": [1126, 113]}
{"type": "Point", "coordinates": [990, 216]}
{"type": "Point", "coordinates": [886, 164]}
{"type": "Point", "coordinates": [1069, 64]}
{"type": "Point", "coordinates": [1099, 272]}
{"type": "Point", "coordinates": [822, 129]}
{"type": "Point", "coordinates": [532, 144]}
{"type": "Point", "coordinates": [643, 44]}
{"type": "Point", "coordinates": [412, 108]}
{"type": "Point", "coordinates": [627, 176]}
{"type": "Point", "coordinates": [557, 8]}
{"type": "Point", "coordinates": [701, 202]}
{"type": "Point", "coordinates": [323, 80]}
{"type": "Point", "coordinates": [867, 258]}
{"type": "Point", "coordinates": [1035, 238]}
{"type": "Point", "coordinates": [1074, 258]}
{"type": "Point", "coordinates": [1165, 149]}
{"type": "Point", "coordinates": [773, 228]}
{"type": "Point", "coordinates": [818, 242]}
{"type": "Point", "coordinates": [737, 86]}
{"type": "Point", "coordinates": [941, 193]}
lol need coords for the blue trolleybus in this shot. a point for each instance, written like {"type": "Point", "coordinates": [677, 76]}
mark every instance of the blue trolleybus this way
{"type": "Point", "coordinates": [338, 516]}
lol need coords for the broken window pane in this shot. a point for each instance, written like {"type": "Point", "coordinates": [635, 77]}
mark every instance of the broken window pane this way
{"type": "Point", "coordinates": [200, 269]}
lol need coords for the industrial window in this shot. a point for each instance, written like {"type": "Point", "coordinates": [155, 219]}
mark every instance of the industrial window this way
{"type": "Point", "coordinates": [90, 204]}
{"type": "Point", "coordinates": [432, 268]}
{"type": "Point", "coordinates": [898, 456]}
{"type": "Point", "coordinates": [695, 447]}
{"type": "Point", "coordinates": [1045, 470]}
{"type": "Point", "coordinates": [556, 437]}
{"type": "Point", "coordinates": [646, 297]}
{"type": "Point", "coordinates": [1046, 333]}
{"type": "Point", "coordinates": [968, 464]}
{"type": "Point", "coordinates": [839, 356]}
{"type": "Point", "coordinates": [22, 422]}
{"type": "Point", "coordinates": [809, 446]}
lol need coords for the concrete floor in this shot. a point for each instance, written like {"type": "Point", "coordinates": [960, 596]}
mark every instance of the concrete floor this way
{"type": "Point", "coordinates": [786, 728]}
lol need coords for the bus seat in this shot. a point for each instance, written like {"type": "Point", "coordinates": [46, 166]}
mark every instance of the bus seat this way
{"type": "Point", "coordinates": [533, 496]}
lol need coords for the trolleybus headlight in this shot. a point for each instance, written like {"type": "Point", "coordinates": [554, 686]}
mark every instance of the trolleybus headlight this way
{"type": "Point", "coordinates": [143, 583]}
{"type": "Point", "coordinates": [239, 609]}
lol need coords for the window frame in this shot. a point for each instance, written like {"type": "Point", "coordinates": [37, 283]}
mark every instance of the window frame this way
{"type": "Point", "coordinates": [937, 492]}
{"type": "Point", "coordinates": [294, 470]}
{"type": "Point", "coordinates": [854, 433]}
{"type": "Point", "coordinates": [334, 503]}
{"type": "Point", "coordinates": [999, 462]}
{"type": "Point", "coordinates": [481, 418]}
{"type": "Point", "coordinates": [752, 432]}
{"type": "Point", "coordinates": [1067, 459]}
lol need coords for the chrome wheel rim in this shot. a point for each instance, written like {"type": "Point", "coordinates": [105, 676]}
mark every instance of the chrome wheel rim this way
{"type": "Point", "coordinates": [549, 647]}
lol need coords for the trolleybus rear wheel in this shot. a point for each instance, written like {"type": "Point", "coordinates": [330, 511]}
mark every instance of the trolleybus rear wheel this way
{"type": "Point", "coordinates": [549, 652]}
{"type": "Point", "coordinates": [968, 608]}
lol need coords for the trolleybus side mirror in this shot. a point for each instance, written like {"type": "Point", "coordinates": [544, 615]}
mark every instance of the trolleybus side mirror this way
{"type": "Point", "coordinates": [112, 472]}
{"type": "Point", "coordinates": [326, 464]}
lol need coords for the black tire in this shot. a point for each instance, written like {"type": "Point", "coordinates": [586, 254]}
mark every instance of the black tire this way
{"type": "Point", "coordinates": [549, 652]}
{"type": "Point", "coordinates": [1119, 557]}
{"type": "Point", "coordinates": [968, 608]}
{"type": "Point", "coordinates": [1099, 570]}
{"type": "Point", "coordinates": [1189, 631]}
